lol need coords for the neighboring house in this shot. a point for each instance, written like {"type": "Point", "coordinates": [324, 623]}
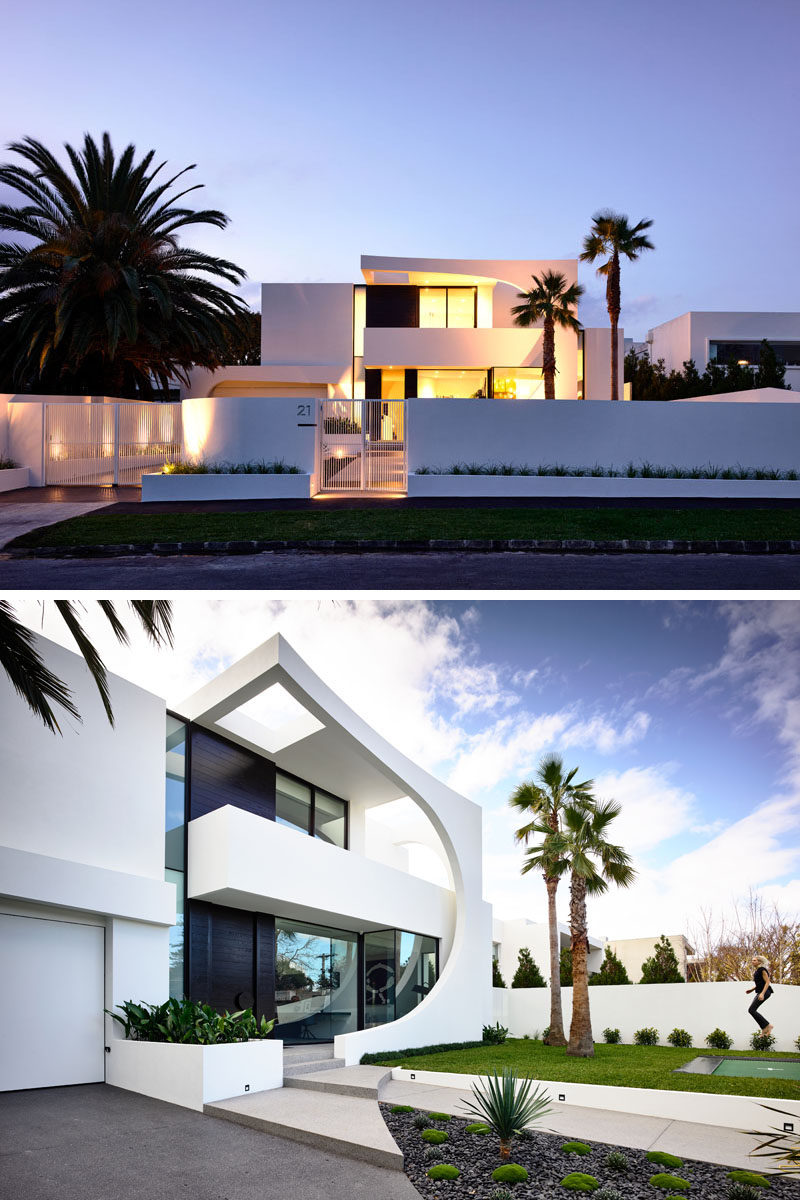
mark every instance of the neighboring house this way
{"type": "Point", "coordinates": [727, 337]}
{"type": "Point", "coordinates": [632, 952]}
{"type": "Point", "coordinates": [288, 847]}
{"type": "Point", "coordinates": [416, 327]}
{"type": "Point", "coordinates": [509, 937]}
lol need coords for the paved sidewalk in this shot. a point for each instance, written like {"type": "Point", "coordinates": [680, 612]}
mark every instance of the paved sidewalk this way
{"type": "Point", "coordinates": [16, 519]}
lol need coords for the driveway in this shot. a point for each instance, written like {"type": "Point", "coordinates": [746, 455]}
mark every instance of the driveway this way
{"type": "Point", "coordinates": [95, 1142]}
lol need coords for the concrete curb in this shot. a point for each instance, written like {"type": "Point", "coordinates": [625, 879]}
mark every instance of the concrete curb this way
{"type": "Point", "coordinates": [439, 545]}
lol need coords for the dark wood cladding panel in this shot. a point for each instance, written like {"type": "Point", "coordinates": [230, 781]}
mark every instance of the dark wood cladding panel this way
{"type": "Point", "coordinates": [231, 958]}
{"type": "Point", "coordinates": [222, 773]}
{"type": "Point", "coordinates": [198, 919]}
{"type": "Point", "coordinates": [392, 306]}
{"type": "Point", "coordinates": [265, 966]}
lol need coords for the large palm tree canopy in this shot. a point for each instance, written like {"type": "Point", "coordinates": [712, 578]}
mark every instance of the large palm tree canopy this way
{"type": "Point", "coordinates": [549, 298]}
{"type": "Point", "coordinates": [96, 293]}
{"type": "Point", "coordinates": [612, 233]}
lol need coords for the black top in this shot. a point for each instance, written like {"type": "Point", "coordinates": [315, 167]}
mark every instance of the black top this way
{"type": "Point", "coordinates": [760, 981]}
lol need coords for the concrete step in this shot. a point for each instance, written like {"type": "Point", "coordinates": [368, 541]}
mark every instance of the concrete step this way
{"type": "Point", "coordinates": [310, 1066]}
{"type": "Point", "coordinates": [308, 1051]}
{"type": "Point", "coordinates": [364, 1082]}
{"type": "Point", "coordinates": [350, 1126]}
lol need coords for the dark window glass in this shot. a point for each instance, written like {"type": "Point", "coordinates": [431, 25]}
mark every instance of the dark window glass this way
{"type": "Point", "coordinates": [316, 981]}
{"type": "Point", "coordinates": [329, 818]}
{"type": "Point", "coordinates": [416, 970]}
{"type": "Point", "coordinates": [292, 803]}
{"type": "Point", "coordinates": [392, 306]}
{"type": "Point", "coordinates": [748, 352]}
{"type": "Point", "coordinates": [379, 977]}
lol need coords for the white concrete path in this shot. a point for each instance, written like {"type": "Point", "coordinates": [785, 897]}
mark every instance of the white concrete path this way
{"type": "Point", "coordinates": [16, 519]}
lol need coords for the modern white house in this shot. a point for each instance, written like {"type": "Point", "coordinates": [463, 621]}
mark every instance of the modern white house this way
{"type": "Point", "coordinates": [511, 936]}
{"type": "Point", "coordinates": [727, 337]}
{"type": "Point", "coordinates": [217, 852]}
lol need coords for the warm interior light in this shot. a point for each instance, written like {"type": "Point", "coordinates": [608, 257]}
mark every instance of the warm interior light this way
{"type": "Point", "coordinates": [743, 362]}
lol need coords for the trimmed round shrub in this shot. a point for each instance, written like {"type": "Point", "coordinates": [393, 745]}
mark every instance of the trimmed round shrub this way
{"type": "Point", "coordinates": [762, 1041]}
{"type": "Point", "coordinates": [718, 1039]}
{"type": "Point", "coordinates": [434, 1137]}
{"type": "Point", "coordinates": [646, 1037]}
{"type": "Point", "coordinates": [612, 1036]}
{"type": "Point", "coordinates": [439, 1117]}
{"type": "Point", "coordinates": [751, 1178]}
{"type": "Point", "coordinates": [615, 1160]}
{"type": "Point", "coordinates": [444, 1171]}
{"type": "Point", "coordinates": [576, 1182]}
{"type": "Point", "coordinates": [663, 1159]}
{"type": "Point", "coordinates": [477, 1127]}
{"type": "Point", "coordinates": [679, 1037]}
{"type": "Point", "coordinates": [576, 1148]}
{"type": "Point", "coordinates": [401, 1108]}
{"type": "Point", "coordinates": [670, 1183]}
{"type": "Point", "coordinates": [510, 1173]}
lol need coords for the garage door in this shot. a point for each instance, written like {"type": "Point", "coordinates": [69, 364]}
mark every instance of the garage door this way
{"type": "Point", "coordinates": [51, 1003]}
{"type": "Point", "coordinates": [255, 387]}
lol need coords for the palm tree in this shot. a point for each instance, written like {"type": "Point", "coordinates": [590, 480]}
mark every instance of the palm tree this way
{"type": "Point", "coordinates": [581, 848]}
{"type": "Point", "coordinates": [98, 296]}
{"type": "Point", "coordinates": [550, 300]}
{"type": "Point", "coordinates": [544, 799]}
{"type": "Point", "coordinates": [38, 685]}
{"type": "Point", "coordinates": [612, 235]}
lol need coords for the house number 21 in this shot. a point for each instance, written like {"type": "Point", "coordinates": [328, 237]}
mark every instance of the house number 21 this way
{"type": "Point", "coordinates": [304, 410]}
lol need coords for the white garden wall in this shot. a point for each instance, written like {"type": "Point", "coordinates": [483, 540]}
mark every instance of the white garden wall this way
{"type": "Point", "coordinates": [695, 1007]}
{"type": "Point", "coordinates": [581, 433]}
{"type": "Point", "coordinates": [195, 1075]}
{"type": "Point", "coordinates": [243, 428]}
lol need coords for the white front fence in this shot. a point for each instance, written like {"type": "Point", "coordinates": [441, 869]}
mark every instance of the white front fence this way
{"type": "Point", "coordinates": [362, 446]}
{"type": "Point", "coordinates": [109, 444]}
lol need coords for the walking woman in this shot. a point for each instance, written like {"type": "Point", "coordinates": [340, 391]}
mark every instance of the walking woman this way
{"type": "Point", "coordinates": [763, 991]}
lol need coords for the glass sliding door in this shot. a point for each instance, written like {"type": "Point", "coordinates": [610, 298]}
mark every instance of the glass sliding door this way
{"type": "Point", "coordinates": [416, 970]}
{"type": "Point", "coordinates": [379, 977]}
{"type": "Point", "coordinates": [316, 982]}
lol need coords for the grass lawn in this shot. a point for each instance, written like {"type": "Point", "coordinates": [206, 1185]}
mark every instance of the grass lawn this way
{"type": "Point", "coordinates": [617, 1066]}
{"type": "Point", "coordinates": [421, 524]}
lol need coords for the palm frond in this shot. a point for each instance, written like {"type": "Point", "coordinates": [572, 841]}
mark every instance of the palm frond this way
{"type": "Point", "coordinates": [31, 679]}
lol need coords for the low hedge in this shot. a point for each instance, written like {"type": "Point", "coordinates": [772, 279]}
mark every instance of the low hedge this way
{"type": "Point", "coordinates": [410, 1051]}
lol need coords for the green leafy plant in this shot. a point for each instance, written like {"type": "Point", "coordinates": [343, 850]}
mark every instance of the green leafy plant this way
{"type": "Point", "coordinates": [252, 467]}
{"type": "Point", "coordinates": [7, 464]}
{"type": "Point", "coordinates": [742, 1191]}
{"type": "Point", "coordinates": [444, 1171]}
{"type": "Point", "coordinates": [507, 1104]}
{"type": "Point", "coordinates": [501, 1194]}
{"type": "Point", "coordinates": [669, 1183]}
{"type": "Point", "coordinates": [646, 1036]}
{"type": "Point", "coordinates": [615, 1160]}
{"type": "Point", "coordinates": [409, 1052]}
{"type": "Point", "coordinates": [477, 1127]}
{"type": "Point", "coordinates": [431, 1153]}
{"type": "Point", "coordinates": [510, 1173]}
{"type": "Point", "coordinates": [401, 1108]}
{"type": "Point", "coordinates": [762, 1041]}
{"type": "Point", "coordinates": [437, 1116]}
{"type": "Point", "coordinates": [663, 1159]}
{"type": "Point", "coordinates": [751, 1178]}
{"type": "Point", "coordinates": [577, 1182]}
{"type": "Point", "coordinates": [434, 1137]}
{"type": "Point", "coordinates": [576, 1148]}
{"type": "Point", "coordinates": [495, 1034]}
{"type": "Point", "coordinates": [189, 1023]}
{"type": "Point", "coordinates": [718, 1039]}
{"type": "Point", "coordinates": [612, 1036]}
{"type": "Point", "coordinates": [420, 1122]}
{"type": "Point", "coordinates": [679, 1037]}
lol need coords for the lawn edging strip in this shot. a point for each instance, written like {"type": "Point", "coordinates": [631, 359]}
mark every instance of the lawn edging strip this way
{"type": "Point", "coordinates": [702, 1108]}
{"type": "Point", "coordinates": [396, 545]}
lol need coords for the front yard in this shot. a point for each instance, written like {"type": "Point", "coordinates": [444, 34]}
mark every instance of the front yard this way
{"type": "Point", "coordinates": [614, 1066]}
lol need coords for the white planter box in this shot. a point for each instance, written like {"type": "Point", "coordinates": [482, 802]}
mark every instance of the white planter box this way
{"type": "Point", "coordinates": [225, 487]}
{"type": "Point", "coordinates": [195, 1075]}
{"type": "Point", "coordinates": [13, 477]}
{"type": "Point", "coordinates": [586, 485]}
{"type": "Point", "coordinates": [732, 1112]}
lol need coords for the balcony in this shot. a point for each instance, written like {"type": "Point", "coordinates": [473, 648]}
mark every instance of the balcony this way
{"type": "Point", "coordinates": [453, 347]}
{"type": "Point", "coordinates": [245, 861]}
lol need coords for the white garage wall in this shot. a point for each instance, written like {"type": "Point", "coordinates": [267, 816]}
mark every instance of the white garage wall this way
{"type": "Point", "coordinates": [696, 1007]}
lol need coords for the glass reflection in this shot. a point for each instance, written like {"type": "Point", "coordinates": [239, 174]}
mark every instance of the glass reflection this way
{"type": "Point", "coordinates": [316, 982]}
{"type": "Point", "coordinates": [292, 803]}
{"type": "Point", "coordinates": [379, 977]}
{"type": "Point", "coordinates": [329, 819]}
{"type": "Point", "coordinates": [447, 383]}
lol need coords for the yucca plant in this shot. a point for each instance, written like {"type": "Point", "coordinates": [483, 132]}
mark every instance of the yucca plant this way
{"type": "Point", "coordinates": [506, 1104]}
{"type": "Point", "coordinates": [778, 1144]}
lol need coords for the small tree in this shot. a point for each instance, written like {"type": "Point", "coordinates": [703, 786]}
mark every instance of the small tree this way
{"type": "Point", "coordinates": [771, 371]}
{"type": "Point", "coordinates": [663, 966]}
{"type": "Point", "coordinates": [527, 974]}
{"type": "Point", "coordinates": [497, 978]}
{"type": "Point", "coordinates": [565, 965]}
{"type": "Point", "coordinates": [612, 971]}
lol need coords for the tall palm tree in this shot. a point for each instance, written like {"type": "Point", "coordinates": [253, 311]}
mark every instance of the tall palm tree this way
{"type": "Point", "coordinates": [593, 862]}
{"type": "Point", "coordinates": [38, 685]}
{"type": "Point", "coordinates": [612, 235]}
{"type": "Point", "coordinates": [550, 300]}
{"type": "Point", "coordinates": [544, 799]}
{"type": "Point", "coordinates": [98, 296]}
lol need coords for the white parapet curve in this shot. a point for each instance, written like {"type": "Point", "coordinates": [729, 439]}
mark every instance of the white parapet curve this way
{"type": "Point", "coordinates": [731, 1112]}
{"type": "Point", "coordinates": [286, 486]}
{"type": "Point", "coordinates": [587, 485]}
{"type": "Point", "coordinates": [192, 1076]}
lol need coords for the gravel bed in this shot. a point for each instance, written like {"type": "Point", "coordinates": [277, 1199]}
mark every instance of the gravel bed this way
{"type": "Point", "coordinates": [547, 1164]}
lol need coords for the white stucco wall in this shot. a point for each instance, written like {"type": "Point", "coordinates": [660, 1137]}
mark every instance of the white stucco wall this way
{"type": "Point", "coordinates": [597, 363]}
{"type": "Point", "coordinates": [696, 1007]}
{"type": "Point", "coordinates": [310, 323]}
{"type": "Point", "coordinates": [582, 433]}
{"type": "Point", "coordinates": [242, 428]}
{"type": "Point", "coordinates": [688, 336]}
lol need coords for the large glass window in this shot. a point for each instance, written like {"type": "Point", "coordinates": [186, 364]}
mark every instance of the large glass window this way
{"type": "Point", "coordinates": [400, 969]}
{"type": "Point", "coordinates": [379, 977]}
{"type": "Point", "coordinates": [518, 383]}
{"type": "Point", "coordinates": [748, 353]}
{"type": "Point", "coordinates": [447, 307]}
{"type": "Point", "coordinates": [316, 981]}
{"type": "Point", "coordinates": [416, 970]}
{"type": "Point", "coordinates": [466, 384]}
{"type": "Point", "coordinates": [329, 818]}
{"type": "Point", "coordinates": [292, 803]}
{"type": "Point", "coordinates": [174, 822]}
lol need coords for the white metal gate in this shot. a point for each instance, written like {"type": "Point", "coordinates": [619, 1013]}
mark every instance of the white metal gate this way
{"type": "Point", "coordinates": [362, 446]}
{"type": "Point", "coordinates": [109, 444]}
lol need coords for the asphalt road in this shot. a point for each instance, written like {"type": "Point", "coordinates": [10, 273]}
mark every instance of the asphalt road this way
{"type": "Point", "coordinates": [454, 571]}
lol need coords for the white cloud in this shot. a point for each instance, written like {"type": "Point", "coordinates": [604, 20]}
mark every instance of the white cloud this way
{"type": "Point", "coordinates": [599, 733]}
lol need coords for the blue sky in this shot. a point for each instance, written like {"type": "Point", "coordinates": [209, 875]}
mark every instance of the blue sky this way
{"type": "Point", "coordinates": [687, 713]}
{"type": "Point", "coordinates": [448, 128]}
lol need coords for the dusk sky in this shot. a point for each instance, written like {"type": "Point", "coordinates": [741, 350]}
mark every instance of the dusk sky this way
{"type": "Point", "coordinates": [448, 128]}
{"type": "Point", "coordinates": [687, 713]}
